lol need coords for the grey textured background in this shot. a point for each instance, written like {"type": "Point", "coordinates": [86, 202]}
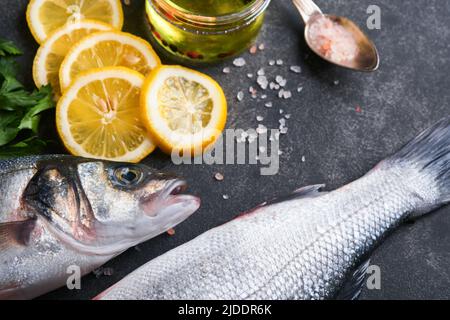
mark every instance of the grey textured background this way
{"type": "Point", "coordinates": [407, 94]}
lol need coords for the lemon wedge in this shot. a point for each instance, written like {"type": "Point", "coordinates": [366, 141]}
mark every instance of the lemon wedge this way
{"type": "Point", "coordinates": [52, 52]}
{"type": "Point", "coordinates": [45, 16]}
{"type": "Point", "coordinates": [105, 49]}
{"type": "Point", "coordinates": [99, 116]}
{"type": "Point", "coordinates": [184, 110]}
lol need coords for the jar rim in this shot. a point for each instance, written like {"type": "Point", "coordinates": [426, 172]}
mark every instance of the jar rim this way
{"type": "Point", "coordinates": [170, 9]}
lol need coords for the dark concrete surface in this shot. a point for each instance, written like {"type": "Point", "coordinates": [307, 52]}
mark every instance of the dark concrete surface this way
{"type": "Point", "coordinates": [407, 94]}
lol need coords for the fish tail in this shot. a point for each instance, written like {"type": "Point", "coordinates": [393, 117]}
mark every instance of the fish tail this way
{"type": "Point", "coordinates": [425, 164]}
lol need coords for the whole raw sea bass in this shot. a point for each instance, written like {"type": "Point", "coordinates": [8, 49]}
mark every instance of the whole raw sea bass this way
{"type": "Point", "coordinates": [59, 211]}
{"type": "Point", "coordinates": [305, 247]}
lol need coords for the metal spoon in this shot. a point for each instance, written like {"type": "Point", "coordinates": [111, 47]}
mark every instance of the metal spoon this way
{"type": "Point", "coordinates": [367, 58]}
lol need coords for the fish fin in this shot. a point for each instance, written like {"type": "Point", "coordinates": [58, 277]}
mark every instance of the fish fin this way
{"type": "Point", "coordinates": [425, 161]}
{"type": "Point", "coordinates": [309, 191]}
{"type": "Point", "coordinates": [302, 193]}
{"type": "Point", "coordinates": [16, 233]}
{"type": "Point", "coordinates": [355, 283]}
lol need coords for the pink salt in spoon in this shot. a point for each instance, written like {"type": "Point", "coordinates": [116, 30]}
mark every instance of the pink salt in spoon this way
{"type": "Point", "coordinates": [337, 39]}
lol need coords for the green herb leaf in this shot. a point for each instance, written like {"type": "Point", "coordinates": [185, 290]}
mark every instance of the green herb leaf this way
{"type": "Point", "coordinates": [26, 147]}
{"type": "Point", "coordinates": [8, 48]}
{"type": "Point", "coordinates": [7, 135]}
{"type": "Point", "coordinates": [8, 67]}
{"type": "Point", "coordinates": [9, 127]}
{"type": "Point", "coordinates": [32, 118]}
{"type": "Point", "coordinates": [20, 110]}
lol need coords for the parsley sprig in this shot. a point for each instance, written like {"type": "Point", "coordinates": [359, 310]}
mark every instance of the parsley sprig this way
{"type": "Point", "coordinates": [20, 110]}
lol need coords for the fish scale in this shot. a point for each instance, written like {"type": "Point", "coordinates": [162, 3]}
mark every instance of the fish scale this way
{"type": "Point", "coordinates": [305, 247]}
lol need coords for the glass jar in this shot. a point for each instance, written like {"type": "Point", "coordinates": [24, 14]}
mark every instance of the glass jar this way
{"type": "Point", "coordinates": [205, 31]}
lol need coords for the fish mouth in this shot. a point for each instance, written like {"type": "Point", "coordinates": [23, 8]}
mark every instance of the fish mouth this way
{"type": "Point", "coordinates": [175, 194]}
{"type": "Point", "coordinates": [170, 206]}
{"type": "Point", "coordinates": [165, 209]}
{"type": "Point", "coordinates": [174, 188]}
{"type": "Point", "coordinates": [172, 193]}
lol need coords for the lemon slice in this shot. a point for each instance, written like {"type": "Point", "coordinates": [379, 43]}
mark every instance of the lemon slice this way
{"type": "Point", "coordinates": [184, 110]}
{"type": "Point", "coordinates": [105, 49]}
{"type": "Point", "coordinates": [99, 116]}
{"type": "Point", "coordinates": [45, 16]}
{"type": "Point", "coordinates": [51, 54]}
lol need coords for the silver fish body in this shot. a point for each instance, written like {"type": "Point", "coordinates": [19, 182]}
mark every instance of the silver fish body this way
{"type": "Point", "coordinates": [305, 247]}
{"type": "Point", "coordinates": [58, 213]}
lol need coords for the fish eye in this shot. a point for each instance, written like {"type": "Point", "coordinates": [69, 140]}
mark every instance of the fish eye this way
{"type": "Point", "coordinates": [127, 176]}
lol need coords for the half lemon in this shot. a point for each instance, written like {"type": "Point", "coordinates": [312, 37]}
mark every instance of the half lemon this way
{"type": "Point", "coordinates": [99, 116]}
{"type": "Point", "coordinates": [52, 52]}
{"type": "Point", "coordinates": [107, 49]}
{"type": "Point", "coordinates": [184, 110]}
{"type": "Point", "coordinates": [45, 16]}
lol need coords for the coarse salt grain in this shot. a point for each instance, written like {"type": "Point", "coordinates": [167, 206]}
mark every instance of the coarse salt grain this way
{"type": "Point", "coordinates": [226, 70]}
{"type": "Point", "coordinates": [262, 82]}
{"type": "Point", "coordinates": [252, 137]}
{"type": "Point", "coordinates": [242, 138]}
{"type": "Point", "coordinates": [287, 94]}
{"type": "Point", "coordinates": [261, 129]}
{"type": "Point", "coordinates": [281, 81]}
{"type": "Point", "coordinates": [240, 96]}
{"type": "Point", "coordinates": [219, 177]}
{"type": "Point", "coordinates": [296, 69]}
{"type": "Point", "coordinates": [333, 40]}
{"type": "Point", "coordinates": [239, 62]}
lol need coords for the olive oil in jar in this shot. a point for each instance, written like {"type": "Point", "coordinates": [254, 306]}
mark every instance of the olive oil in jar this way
{"type": "Point", "coordinates": [205, 31]}
{"type": "Point", "coordinates": [212, 8]}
